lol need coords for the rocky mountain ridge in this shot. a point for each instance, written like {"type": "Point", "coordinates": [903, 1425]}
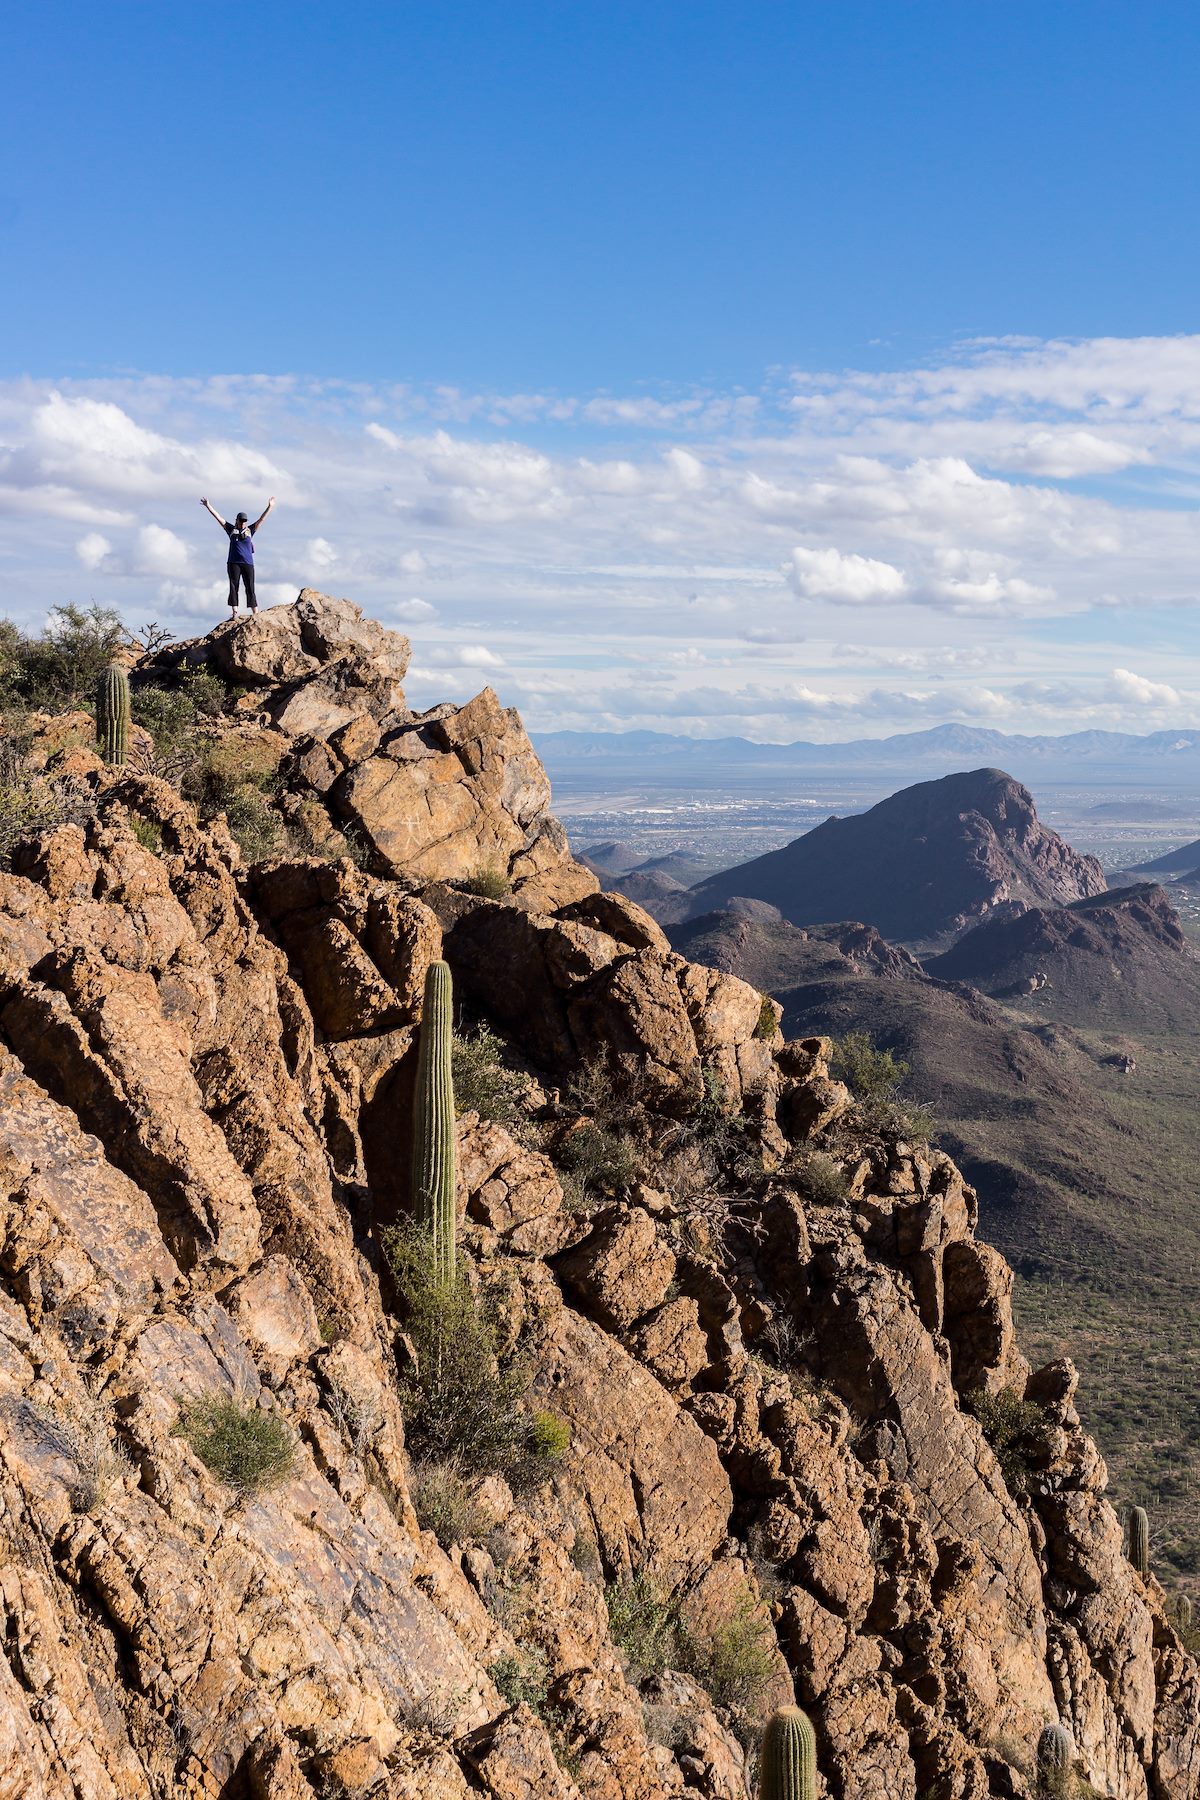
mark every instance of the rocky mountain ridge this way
{"type": "Point", "coordinates": [920, 866]}
{"type": "Point", "coordinates": [762, 1339]}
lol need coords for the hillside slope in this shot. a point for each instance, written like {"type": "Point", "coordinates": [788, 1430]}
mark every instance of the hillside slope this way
{"type": "Point", "coordinates": [1119, 958]}
{"type": "Point", "coordinates": [1072, 1107]}
{"type": "Point", "coordinates": [920, 866]}
{"type": "Point", "coordinates": [756, 1339]}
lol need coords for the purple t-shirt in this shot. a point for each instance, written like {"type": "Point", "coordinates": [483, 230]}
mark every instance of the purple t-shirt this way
{"type": "Point", "coordinates": [241, 543]}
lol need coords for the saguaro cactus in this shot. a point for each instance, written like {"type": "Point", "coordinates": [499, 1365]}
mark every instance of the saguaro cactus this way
{"type": "Point", "coordinates": [1183, 1612]}
{"type": "Point", "coordinates": [1139, 1539]}
{"type": "Point", "coordinates": [1055, 1757]}
{"type": "Point", "coordinates": [789, 1757]}
{"type": "Point", "coordinates": [112, 715]}
{"type": "Point", "coordinates": [433, 1121]}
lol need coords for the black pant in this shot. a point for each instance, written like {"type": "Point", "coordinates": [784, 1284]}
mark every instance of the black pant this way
{"type": "Point", "coordinates": [246, 571]}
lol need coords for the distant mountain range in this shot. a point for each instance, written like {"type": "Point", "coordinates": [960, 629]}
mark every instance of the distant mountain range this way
{"type": "Point", "coordinates": [1158, 753]}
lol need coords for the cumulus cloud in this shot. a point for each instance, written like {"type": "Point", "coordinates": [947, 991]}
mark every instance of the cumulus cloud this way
{"type": "Point", "coordinates": [1128, 687]}
{"type": "Point", "coordinates": [967, 511]}
{"type": "Point", "coordinates": [92, 549]}
{"type": "Point", "coordinates": [833, 575]}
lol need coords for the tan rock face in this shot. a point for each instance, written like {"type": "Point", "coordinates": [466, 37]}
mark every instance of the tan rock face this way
{"type": "Point", "coordinates": [205, 1089]}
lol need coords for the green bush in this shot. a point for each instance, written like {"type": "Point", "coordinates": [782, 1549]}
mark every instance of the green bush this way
{"type": "Point", "coordinates": [736, 1660]}
{"type": "Point", "coordinates": [1018, 1431]}
{"type": "Point", "coordinates": [601, 1160]}
{"type": "Point", "coordinates": [872, 1075]}
{"type": "Point", "coordinates": [522, 1678]}
{"type": "Point", "coordinates": [148, 833]}
{"type": "Point", "coordinates": [644, 1625]}
{"type": "Point", "coordinates": [483, 1084]}
{"type": "Point", "coordinates": [549, 1437]}
{"type": "Point", "coordinates": [171, 713]}
{"type": "Point", "coordinates": [489, 883]}
{"type": "Point", "coordinates": [768, 1022]}
{"type": "Point", "coordinates": [248, 1449]}
{"type": "Point", "coordinates": [58, 669]}
{"type": "Point", "coordinates": [875, 1078]}
{"type": "Point", "coordinates": [463, 1404]}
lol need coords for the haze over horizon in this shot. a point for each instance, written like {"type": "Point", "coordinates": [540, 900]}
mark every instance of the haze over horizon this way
{"type": "Point", "coordinates": [782, 376]}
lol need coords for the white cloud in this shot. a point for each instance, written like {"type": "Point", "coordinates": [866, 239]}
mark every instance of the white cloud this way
{"type": "Point", "coordinates": [586, 542]}
{"type": "Point", "coordinates": [1126, 686]}
{"type": "Point", "coordinates": [831, 575]}
{"type": "Point", "coordinates": [161, 552]}
{"type": "Point", "coordinates": [92, 549]}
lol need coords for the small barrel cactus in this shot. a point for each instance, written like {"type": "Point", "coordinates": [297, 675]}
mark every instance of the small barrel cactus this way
{"type": "Point", "coordinates": [788, 1769]}
{"type": "Point", "coordinates": [112, 715]}
{"type": "Point", "coordinates": [433, 1180]}
{"type": "Point", "coordinates": [1139, 1539]}
{"type": "Point", "coordinates": [1183, 1612]}
{"type": "Point", "coordinates": [1055, 1757]}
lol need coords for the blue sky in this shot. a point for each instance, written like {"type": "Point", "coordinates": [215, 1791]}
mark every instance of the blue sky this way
{"type": "Point", "coordinates": [800, 370]}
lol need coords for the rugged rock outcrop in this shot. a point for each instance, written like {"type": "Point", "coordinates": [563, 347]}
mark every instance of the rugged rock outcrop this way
{"type": "Point", "coordinates": [1117, 955]}
{"type": "Point", "coordinates": [204, 1073]}
{"type": "Point", "coordinates": [452, 792]}
{"type": "Point", "coordinates": [920, 866]}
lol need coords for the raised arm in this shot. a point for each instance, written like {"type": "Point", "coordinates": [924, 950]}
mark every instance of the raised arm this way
{"type": "Point", "coordinates": [216, 515]}
{"type": "Point", "coordinates": [262, 515]}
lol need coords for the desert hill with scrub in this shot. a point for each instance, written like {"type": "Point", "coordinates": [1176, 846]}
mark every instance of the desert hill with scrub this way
{"type": "Point", "coordinates": [702, 1399]}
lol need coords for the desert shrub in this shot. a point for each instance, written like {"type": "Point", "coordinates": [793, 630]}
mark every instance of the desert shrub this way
{"type": "Point", "coordinates": [482, 1083]}
{"type": "Point", "coordinates": [169, 714]}
{"type": "Point", "coordinates": [58, 669]}
{"type": "Point", "coordinates": [735, 1660]}
{"type": "Point", "coordinates": [549, 1437]}
{"type": "Point", "coordinates": [444, 1502]}
{"type": "Point", "coordinates": [1018, 1431]}
{"type": "Point", "coordinates": [84, 1433]}
{"type": "Point", "coordinates": [248, 1449]}
{"type": "Point", "coordinates": [768, 1023]}
{"type": "Point", "coordinates": [523, 1677]}
{"type": "Point", "coordinates": [31, 801]}
{"type": "Point", "coordinates": [644, 1625]}
{"type": "Point", "coordinates": [237, 776]}
{"type": "Point", "coordinates": [463, 1403]}
{"type": "Point", "coordinates": [489, 883]}
{"type": "Point", "coordinates": [822, 1178]}
{"type": "Point", "coordinates": [601, 1160]}
{"type": "Point", "coordinates": [148, 833]}
{"type": "Point", "coordinates": [875, 1077]}
{"type": "Point", "coordinates": [594, 1089]}
{"type": "Point", "coordinates": [34, 803]}
{"type": "Point", "coordinates": [872, 1075]}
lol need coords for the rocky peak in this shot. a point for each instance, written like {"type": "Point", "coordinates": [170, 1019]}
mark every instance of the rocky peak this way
{"type": "Point", "coordinates": [453, 792]}
{"type": "Point", "coordinates": [920, 866]}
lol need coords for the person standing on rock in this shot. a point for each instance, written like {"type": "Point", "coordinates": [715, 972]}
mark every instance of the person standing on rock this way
{"type": "Point", "coordinates": [241, 552]}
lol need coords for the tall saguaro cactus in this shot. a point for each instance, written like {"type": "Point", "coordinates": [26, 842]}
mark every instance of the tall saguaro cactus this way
{"type": "Point", "coordinates": [1139, 1539]}
{"type": "Point", "coordinates": [433, 1121]}
{"type": "Point", "coordinates": [789, 1757]}
{"type": "Point", "coordinates": [1055, 1758]}
{"type": "Point", "coordinates": [112, 715]}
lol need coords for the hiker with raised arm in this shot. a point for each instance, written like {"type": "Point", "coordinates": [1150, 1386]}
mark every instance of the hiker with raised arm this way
{"type": "Point", "coordinates": [241, 552]}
